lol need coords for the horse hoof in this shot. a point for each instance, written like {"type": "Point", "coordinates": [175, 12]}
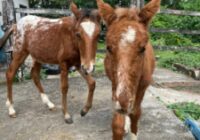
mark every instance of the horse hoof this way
{"type": "Point", "coordinates": [69, 121]}
{"type": "Point", "coordinates": [83, 113]}
{"type": "Point", "coordinates": [52, 109]}
{"type": "Point", "coordinates": [13, 115]}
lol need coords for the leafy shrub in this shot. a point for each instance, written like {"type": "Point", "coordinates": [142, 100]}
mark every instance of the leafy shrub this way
{"type": "Point", "coordinates": [186, 110]}
{"type": "Point", "coordinates": [170, 39]}
{"type": "Point", "coordinates": [168, 58]}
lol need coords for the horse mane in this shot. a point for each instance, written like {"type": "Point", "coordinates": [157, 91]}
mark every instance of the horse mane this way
{"type": "Point", "coordinates": [127, 13]}
{"type": "Point", "coordinates": [89, 13]}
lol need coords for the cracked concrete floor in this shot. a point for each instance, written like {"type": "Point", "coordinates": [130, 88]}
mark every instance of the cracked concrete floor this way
{"type": "Point", "coordinates": [35, 122]}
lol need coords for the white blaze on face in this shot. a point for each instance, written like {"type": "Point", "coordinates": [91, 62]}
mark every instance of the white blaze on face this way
{"type": "Point", "coordinates": [128, 37]}
{"type": "Point", "coordinates": [88, 27]}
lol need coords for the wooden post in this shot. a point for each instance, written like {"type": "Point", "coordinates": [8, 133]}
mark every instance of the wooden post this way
{"type": "Point", "coordinates": [133, 2]}
{"type": "Point", "coordinates": [11, 11]}
{"type": "Point", "coordinates": [8, 12]}
{"type": "Point", "coordinates": [4, 12]}
{"type": "Point", "coordinates": [142, 3]}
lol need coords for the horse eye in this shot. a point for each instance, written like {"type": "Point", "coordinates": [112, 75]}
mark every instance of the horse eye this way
{"type": "Point", "coordinates": [78, 35]}
{"type": "Point", "coordinates": [142, 49]}
{"type": "Point", "coordinates": [109, 49]}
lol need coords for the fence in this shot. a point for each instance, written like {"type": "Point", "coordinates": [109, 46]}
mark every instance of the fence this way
{"type": "Point", "coordinates": [7, 16]}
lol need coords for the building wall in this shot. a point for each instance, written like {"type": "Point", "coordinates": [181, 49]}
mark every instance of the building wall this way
{"type": "Point", "coordinates": [17, 5]}
{"type": "Point", "coordinates": [1, 18]}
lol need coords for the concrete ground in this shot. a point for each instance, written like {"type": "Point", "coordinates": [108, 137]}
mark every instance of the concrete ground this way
{"type": "Point", "coordinates": [35, 122]}
{"type": "Point", "coordinates": [167, 78]}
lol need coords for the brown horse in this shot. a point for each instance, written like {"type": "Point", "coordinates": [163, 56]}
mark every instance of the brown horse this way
{"type": "Point", "coordinates": [69, 42]}
{"type": "Point", "coordinates": [129, 63]}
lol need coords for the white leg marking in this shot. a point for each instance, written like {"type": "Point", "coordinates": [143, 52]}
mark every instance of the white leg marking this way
{"type": "Point", "coordinates": [130, 136]}
{"type": "Point", "coordinates": [90, 68]}
{"type": "Point", "coordinates": [67, 116]}
{"type": "Point", "coordinates": [46, 101]}
{"type": "Point", "coordinates": [88, 27]}
{"type": "Point", "coordinates": [127, 126]}
{"type": "Point", "coordinates": [10, 108]}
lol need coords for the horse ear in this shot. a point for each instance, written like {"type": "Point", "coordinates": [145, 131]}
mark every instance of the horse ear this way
{"type": "Point", "coordinates": [74, 9]}
{"type": "Point", "coordinates": [149, 10]}
{"type": "Point", "coordinates": [106, 12]}
{"type": "Point", "coordinates": [97, 15]}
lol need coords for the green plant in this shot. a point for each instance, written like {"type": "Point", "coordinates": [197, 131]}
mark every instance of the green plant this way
{"type": "Point", "coordinates": [27, 75]}
{"type": "Point", "coordinates": [99, 63]}
{"type": "Point", "coordinates": [186, 110]}
{"type": "Point", "coordinates": [165, 21]}
{"type": "Point", "coordinates": [168, 58]}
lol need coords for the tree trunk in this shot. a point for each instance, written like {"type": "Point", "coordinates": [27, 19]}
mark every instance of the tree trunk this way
{"type": "Point", "coordinates": [133, 2]}
{"type": "Point", "coordinates": [142, 3]}
{"type": "Point", "coordinates": [8, 12]}
{"type": "Point", "coordinates": [4, 12]}
{"type": "Point", "coordinates": [137, 3]}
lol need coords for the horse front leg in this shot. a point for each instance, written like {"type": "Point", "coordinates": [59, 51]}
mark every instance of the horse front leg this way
{"type": "Point", "coordinates": [118, 126]}
{"type": "Point", "coordinates": [134, 123]}
{"type": "Point", "coordinates": [91, 87]}
{"type": "Point", "coordinates": [64, 90]}
{"type": "Point", "coordinates": [136, 112]}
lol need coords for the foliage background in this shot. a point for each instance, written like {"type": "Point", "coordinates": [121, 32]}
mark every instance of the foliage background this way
{"type": "Point", "coordinates": [162, 21]}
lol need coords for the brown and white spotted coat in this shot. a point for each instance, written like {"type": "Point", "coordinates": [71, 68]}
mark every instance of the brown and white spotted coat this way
{"type": "Point", "coordinates": [69, 42]}
{"type": "Point", "coordinates": [129, 63]}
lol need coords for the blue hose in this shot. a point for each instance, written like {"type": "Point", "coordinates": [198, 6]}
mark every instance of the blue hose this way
{"type": "Point", "coordinates": [193, 127]}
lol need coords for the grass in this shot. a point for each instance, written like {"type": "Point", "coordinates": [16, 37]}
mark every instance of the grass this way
{"type": "Point", "coordinates": [101, 46]}
{"type": "Point", "coordinates": [99, 63]}
{"type": "Point", "coordinates": [168, 58]}
{"type": "Point", "coordinates": [186, 110]}
{"type": "Point", "coordinates": [100, 59]}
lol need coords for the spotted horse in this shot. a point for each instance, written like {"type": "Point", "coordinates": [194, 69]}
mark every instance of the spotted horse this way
{"type": "Point", "coordinates": [69, 41]}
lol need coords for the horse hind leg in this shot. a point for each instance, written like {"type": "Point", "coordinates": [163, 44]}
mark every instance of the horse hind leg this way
{"type": "Point", "coordinates": [35, 74]}
{"type": "Point", "coordinates": [18, 59]}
